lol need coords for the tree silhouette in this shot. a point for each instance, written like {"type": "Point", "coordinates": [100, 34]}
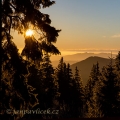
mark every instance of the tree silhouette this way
{"type": "Point", "coordinates": [16, 93]}
{"type": "Point", "coordinates": [71, 91]}
{"type": "Point", "coordinates": [42, 78]}
{"type": "Point", "coordinates": [92, 108]}
{"type": "Point", "coordinates": [60, 74]}
{"type": "Point", "coordinates": [108, 95]}
{"type": "Point", "coordinates": [117, 62]}
{"type": "Point", "coordinates": [117, 71]}
{"type": "Point", "coordinates": [78, 96]}
{"type": "Point", "coordinates": [19, 16]}
{"type": "Point", "coordinates": [48, 82]}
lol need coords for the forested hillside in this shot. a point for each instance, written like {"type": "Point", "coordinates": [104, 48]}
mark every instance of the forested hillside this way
{"type": "Point", "coordinates": [62, 91]}
{"type": "Point", "coordinates": [85, 66]}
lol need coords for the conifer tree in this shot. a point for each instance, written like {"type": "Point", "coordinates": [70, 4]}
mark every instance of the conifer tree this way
{"type": "Point", "coordinates": [68, 92]}
{"type": "Point", "coordinates": [117, 62]}
{"type": "Point", "coordinates": [47, 81]}
{"type": "Point", "coordinates": [62, 75]}
{"type": "Point", "coordinates": [91, 108]}
{"type": "Point", "coordinates": [42, 78]}
{"type": "Point", "coordinates": [71, 91]}
{"type": "Point", "coordinates": [117, 67]}
{"type": "Point", "coordinates": [58, 78]}
{"type": "Point", "coordinates": [117, 72]}
{"type": "Point", "coordinates": [108, 95]}
{"type": "Point", "coordinates": [78, 95]}
{"type": "Point", "coordinates": [16, 93]}
{"type": "Point", "coordinates": [69, 83]}
{"type": "Point", "coordinates": [22, 15]}
{"type": "Point", "coordinates": [19, 16]}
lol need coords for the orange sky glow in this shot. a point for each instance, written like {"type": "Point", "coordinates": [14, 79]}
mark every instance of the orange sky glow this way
{"type": "Point", "coordinates": [87, 26]}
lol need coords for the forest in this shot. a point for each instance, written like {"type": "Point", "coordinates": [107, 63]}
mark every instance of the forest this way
{"type": "Point", "coordinates": [30, 87]}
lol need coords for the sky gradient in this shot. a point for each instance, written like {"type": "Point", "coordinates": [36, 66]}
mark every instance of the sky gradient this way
{"type": "Point", "coordinates": [86, 25]}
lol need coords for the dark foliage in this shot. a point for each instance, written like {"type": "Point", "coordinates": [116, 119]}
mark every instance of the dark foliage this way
{"type": "Point", "coordinates": [108, 95]}
{"type": "Point", "coordinates": [19, 15]}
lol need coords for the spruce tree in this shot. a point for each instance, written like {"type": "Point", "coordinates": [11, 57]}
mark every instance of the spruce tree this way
{"type": "Point", "coordinates": [71, 91]}
{"type": "Point", "coordinates": [108, 92]}
{"type": "Point", "coordinates": [78, 95]}
{"type": "Point", "coordinates": [69, 83]}
{"type": "Point", "coordinates": [62, 75]}
{"type": "Point", "coordinates": [117, 71]}
{"type": "Point", "coordinates": [22, 15]}
{"type": "Point", "coordinates": [16, 93]}
{"type": "Point", "coordinates": [42, 78]}
{"type": "Point", "coordinates": [19, 16]}
{"type": "Point", "coordinates": [92, 108]}
{"type": "Point", "coordinates": [68, 93]}
{"type": "Point", "coordinates": [117, 62]}
{"type": "Point", "coordinates": [47, 81]}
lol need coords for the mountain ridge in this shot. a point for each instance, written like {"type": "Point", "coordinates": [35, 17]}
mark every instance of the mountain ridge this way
{"type": "Point", "coordinates": [78, 57]}
{"type": "Point", "coordinates": [85, 66]}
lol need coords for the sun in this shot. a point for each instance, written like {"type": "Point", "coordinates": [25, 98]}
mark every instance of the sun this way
{"type": "Point", "coordinates": [29, 32]}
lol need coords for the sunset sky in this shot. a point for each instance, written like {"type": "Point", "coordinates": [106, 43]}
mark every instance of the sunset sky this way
{"type": "Point", "coordinates": [87, 25]}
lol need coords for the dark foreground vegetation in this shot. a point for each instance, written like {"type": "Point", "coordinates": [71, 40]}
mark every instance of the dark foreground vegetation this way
{"type": "Point", "coordinates": [30, 86]}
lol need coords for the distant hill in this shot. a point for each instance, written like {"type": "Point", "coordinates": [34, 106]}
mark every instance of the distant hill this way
{"type": "Point", "coordinates": [85, 66]}
{"type": "Point", "coordinates": [78, 57]}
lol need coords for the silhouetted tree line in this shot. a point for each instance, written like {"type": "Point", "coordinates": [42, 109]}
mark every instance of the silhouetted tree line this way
{"type": "Point", "coordinates": [99, 98]}
{"type": "Point", "coordinates": [27, 85]}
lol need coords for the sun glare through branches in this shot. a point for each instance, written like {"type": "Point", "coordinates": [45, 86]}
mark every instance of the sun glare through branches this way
{"type": "Point", "coordinates": [29, 32]}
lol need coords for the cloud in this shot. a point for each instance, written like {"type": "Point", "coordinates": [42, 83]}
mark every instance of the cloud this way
{"type": "Point", "coordinates": [116, 36]}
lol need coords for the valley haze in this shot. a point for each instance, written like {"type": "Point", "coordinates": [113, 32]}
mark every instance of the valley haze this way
{"type": "Point", "coordinates": [77, 57]}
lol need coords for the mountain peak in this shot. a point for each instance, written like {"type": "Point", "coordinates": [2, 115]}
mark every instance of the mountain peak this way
{"type": "Point", "coordinates": [85, 66]}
